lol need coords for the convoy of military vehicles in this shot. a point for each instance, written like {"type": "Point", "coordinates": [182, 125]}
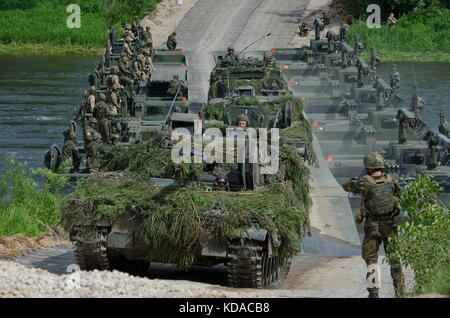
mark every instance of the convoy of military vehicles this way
{"type": "Point", "coordinates": [132, 206]}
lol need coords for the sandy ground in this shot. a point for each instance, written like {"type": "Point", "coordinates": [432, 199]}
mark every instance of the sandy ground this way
{"type": "Point", "coordinates": [314, 10]}
{"type": "Point", "coordinates": [164, 20]}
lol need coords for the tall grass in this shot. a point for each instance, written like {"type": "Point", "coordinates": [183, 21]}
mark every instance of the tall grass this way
{"type": "Point", "coordinates": [44, 22]}
{"type": "Point", "coordinates": [25, 207]}
{"type": "Point", "coordinates": [423, 34]}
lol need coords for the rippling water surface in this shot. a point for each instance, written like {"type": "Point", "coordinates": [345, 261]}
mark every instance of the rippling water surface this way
{"type": "Point", "coordinates": [38, 94]}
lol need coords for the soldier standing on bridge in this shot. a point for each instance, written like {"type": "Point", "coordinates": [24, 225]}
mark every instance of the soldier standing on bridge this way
{"type": "Point", "coordinates": [70, 150]}
{"type": "Point", "coordinates": [379, 209]}
{"type": "Point", "coordinates": [172, 41]}
{"type": "Point", "coordinates": [92, 140]}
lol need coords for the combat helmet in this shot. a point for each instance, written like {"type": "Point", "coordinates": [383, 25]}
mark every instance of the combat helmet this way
{"type": "Point", "coordinates": [102, 96]}
{"type": "Point", "coordinates": [115, 70]}
{"type": "Point", "coordinates": [93, 121]}
{"type": "Point", "coordinates": [72, 136]}
{"type": "Point", "coordinates": [374, 160]}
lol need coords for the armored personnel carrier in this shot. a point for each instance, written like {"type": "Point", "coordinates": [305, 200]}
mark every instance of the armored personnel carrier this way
{"type": "Point", "coordinates": [144, 104]}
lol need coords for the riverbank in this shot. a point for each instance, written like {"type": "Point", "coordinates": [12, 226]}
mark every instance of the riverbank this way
{"type": "Point", "coordinates": [40, 27]}
{"type": "Point", "coordinates": [17, 49]}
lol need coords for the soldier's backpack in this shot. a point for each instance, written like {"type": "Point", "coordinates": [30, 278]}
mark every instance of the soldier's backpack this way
{"type": "Point", "coordinates": [380, 199]}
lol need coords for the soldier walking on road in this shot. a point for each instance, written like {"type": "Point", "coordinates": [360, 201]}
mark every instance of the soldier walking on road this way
{"type": "Point", "coordinates": [172, 41]}
{"type": "Point", "coordinates": [379, 209]}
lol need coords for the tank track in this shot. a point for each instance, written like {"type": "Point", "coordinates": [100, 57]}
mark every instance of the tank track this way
{"type": "Point", "coordinates": [92, 254]}
{"type": "Point", "coordinates": [250, 267]}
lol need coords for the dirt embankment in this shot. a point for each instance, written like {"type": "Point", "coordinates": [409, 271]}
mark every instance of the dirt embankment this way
{"type": "Point", "coordinates": [164, 20]}
{"type": "Point", "coordinates": [15, 245]}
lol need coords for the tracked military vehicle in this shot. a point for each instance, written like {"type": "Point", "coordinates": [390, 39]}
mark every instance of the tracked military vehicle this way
{"type": "Point", "coordinates": [145, 105]}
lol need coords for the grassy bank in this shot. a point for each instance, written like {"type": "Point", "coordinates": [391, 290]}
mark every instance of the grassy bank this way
{"type": "Point", "coordinates": [39, 26]}
{"type": "Point", "coordinates": [25, 207]}
{"type": "Point", "coordinates": [421, 35]}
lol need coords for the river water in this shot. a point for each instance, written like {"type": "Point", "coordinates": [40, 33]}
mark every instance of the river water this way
{"type": "Point", "coordinates": [38, 94]}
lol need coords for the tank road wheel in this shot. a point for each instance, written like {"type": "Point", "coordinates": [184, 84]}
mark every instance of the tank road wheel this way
{"type": "Point", "coordinates": [249, 266]}
{"type": "Point", "coordinates": [91, 253]}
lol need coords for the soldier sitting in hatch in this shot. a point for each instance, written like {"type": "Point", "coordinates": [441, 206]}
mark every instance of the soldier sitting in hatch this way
{"type": "Point", "coordinates": [231, 57]}
{"type": "Point", "coordinates": [242, 121]}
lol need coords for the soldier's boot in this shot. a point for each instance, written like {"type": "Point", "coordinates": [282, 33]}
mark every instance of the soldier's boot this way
{"type": "Point", "coordinates": [373, 280]}
{"type": "Point", "coordinates": [398, 280]}
{"type": "Point", "coordinates": [373, 294]}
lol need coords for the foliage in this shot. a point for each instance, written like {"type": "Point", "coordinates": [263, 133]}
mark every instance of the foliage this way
{"type": "Point", "coordinates": [44, 22]}
{"type": "Point", "coordinates": [424, 32]}
{"type": "Point", "coordinates": [175, 221]}
{"type": "Point", "coordinates": [24, 207]}
{"type": "Point", "coordinates": [423, 241]}
{"type": "Point", "coordinates": [149, 161]}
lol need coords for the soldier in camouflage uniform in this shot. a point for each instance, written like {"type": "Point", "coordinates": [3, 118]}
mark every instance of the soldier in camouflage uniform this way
{"type": "Point", "coordinates": [147, 37]}
{"type": "Point", "coordinates": [172, 41]}
{"type": "Point", "coordinates": [303, 29]}
{"type": "Point", "coordinates": [379, 209]}
{"type": "Point", "coordinates": [177, 85]}
{"type": "Point", "coordinates": [124, 70]}
{"type": "Point", "coordinates": [92, 140]}
{"type": "Point", "coordinates": [103, 113]}
{"type": "Point", "coordinates": [140, 68]}
{"type": "Point", "coordinates": [70, 150]}
{"type": "Point", "coordinates": [129, 33]}
{"type": "Point", "coordinates": [127, 47]}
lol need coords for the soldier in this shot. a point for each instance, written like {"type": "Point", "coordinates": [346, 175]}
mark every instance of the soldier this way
{"type": "Point", "coordinates": [124, 71]}
{"type": "Point", "coordinates": [433, 143]}
{"type": "Point", "coordinates": [148, 61]}
{"type": "Point", "coordinates": [128, 33]}
{"type": "Point", "coordinates": [221, 87]}
{"type": "Point", "coordinates": [127, 47]}
{"type": "Point", "coordinates": [177, 85]}
{"type": "Point", "coordinates": [103, 113]}
{"type": "Point", "coordinates": [391, 20]}
{"type": "Point", "coordinates": [303, 29]}
{"type": "Point", "coordinates": [403, 124]}
{"type": "Point", "coordinates": [70, 150]}
{"type": "Point", "coordinates": [92, 140]}
{"type": "Point", "coordinates": [139, 68]}
{"type": "Point", "coordinates": [90, 104]}
{"type": "Point", "coordinates": [114, 99]}
{"type": "Point", "coordinates": [343, 32]}
{"type": "Point", "coordinates": [231, 58]}
{"type": "Point", "coordinates": [147, 37]}
{"type": "Point", "coordinates": [417, 102]}
{"type": "Point", "coordinates": [325, 19]}
{"type": "Point", "coordinates": [444, 126]}
{"type": "Point", "coordinates": [242, 121]}
{"type": "Point", "coordinates": [172, 41]}
{"type": "Point", "coordinates": [379, 209]}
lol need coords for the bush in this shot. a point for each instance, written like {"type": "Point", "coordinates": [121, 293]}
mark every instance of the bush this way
{"type": "Point", "coordinates": [25, 208]}
{"type": "Point", "coordinates": [423, 241]}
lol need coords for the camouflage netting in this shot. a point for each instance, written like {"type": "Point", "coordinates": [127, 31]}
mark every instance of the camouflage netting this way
{"type": "Point", "coordinates": [176, 221]}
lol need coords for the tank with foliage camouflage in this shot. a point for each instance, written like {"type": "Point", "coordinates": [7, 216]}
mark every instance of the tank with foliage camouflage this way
{"type": "Point", "coordinates": [143, 208]}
